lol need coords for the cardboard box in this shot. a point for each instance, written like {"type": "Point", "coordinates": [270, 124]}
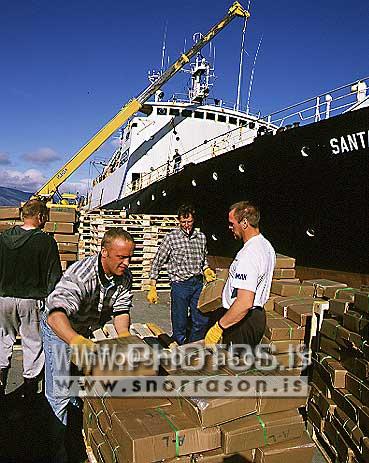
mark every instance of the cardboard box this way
{"type": "Point", "coordinates": [260, 431]}
{"type": "Point", "coordinates": [59, 227]}
{"type": "Point", "coordinates": [283, 261]}
{"type": "Point", "coordinates": [297, 450]}
{"type": "Point", "coordinates": [217, 456]}
{"type": "Point", "coordinates": [67, 247]}
{"type": "Point", "coordinates": [68, 257]}
{"type": "Point", "coordinates": [330, 328]}
{"type": "Point", "coordinates": [364, 419]}
{"type": "Point", "coordinates": [314, 417]}
{"type": "Point", "coordinates": [101, 447]}
{"type": "Point", "coordinates": [358, 367]}
{"type": "Point", "coordinates": [211, 296]}
{"type": "Point", "coordinates": [347, 402]}
{"type": "Point", "coordinates": [299, 309]}
{"type": "Point", "coordinates": [358, 388]}
{"type": "Point", "coordinates": [211, 411]}
{"type": "Point", "coordinates": [112, 405]}
{"type": "Point", "coordinates": [318, 381]}
{"type": "Point", "coordinates": [284, 273]}
{"type": "Point", "coordinates": [120, 349]}
{"type": "Point", "coordinates": [278, 328]}
{"type": "Point", "coordinates": [344, 452]}
{"type": "Point", "coordinates": [285, 288]}
{"type": "Point", "coordinates": [269, 305]}
{"type": "Point", "coordinates": [281, 347]}
{"type": "Point", "coordinates": [349, 430]}
{"type": "Point", "coordinates": [146, 436]}
{"type": "Point", "coordinates": [62, 215]}
{"type": "Point", "coordinates": [339, 306]}
{"type": "Point", "coordinates": [348, 338]}
{"type": "Point", "coordinates": [7, 213]}
{"type": "Point", "coordinates": [330, 347]}
{"type": "Point", "coordinates": [361, 301]}
{"type": "Point", "coordinates": [325, 288]}
{"type": "Point", "coordinates": [346, 294]}
{"type": "Point", "coordinates": [61, 238]}
{"type": "Point", "coordinates": [356, 322]}
{"type": "Point", "coordinates": [331, 370]}
{"type": "Point", "coordinates": [5, 226]}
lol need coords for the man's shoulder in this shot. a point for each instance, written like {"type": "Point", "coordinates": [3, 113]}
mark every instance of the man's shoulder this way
{"type": "Point", "coordinates": [83, 270]}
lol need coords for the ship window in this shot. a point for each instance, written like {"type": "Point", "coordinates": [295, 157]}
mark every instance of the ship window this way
{"type": "Point", "coordinates": [174, 111]}
{"type": "Point", "coordinates": [134, 125]}
{"type": "Point", "coordinates": [232, 120]}
{"type": "Point", "coordinates": [210, 116]}
{"type": "Point", "coordinates": [162, 111]}
{"type": "Point", "coordinates": [127, 135]}
{"type": "Point", "coordinates": [222, 118]}
{"type": "Point", "coordinates": [186, 113]}
{"type": "Point", "coordinates": [199, 115]}
{"type": "Point", "coordinates": [252, 125]}
{"type": "Point", "coordinates": [242, 123]}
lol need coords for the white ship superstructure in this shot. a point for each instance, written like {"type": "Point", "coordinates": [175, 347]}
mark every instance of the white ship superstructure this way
{"type": "Point", "coordinates": [171, 134]}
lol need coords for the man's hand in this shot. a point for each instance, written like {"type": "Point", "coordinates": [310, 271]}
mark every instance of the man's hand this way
{"type": "Point", "coordinates": [152, 295]}
{"type": "Point", "coordinates": [209, 275]}
{"type": "Point", "coordinates": [83, 350]}
{"type": "Point", "coordinates": [214, 335]}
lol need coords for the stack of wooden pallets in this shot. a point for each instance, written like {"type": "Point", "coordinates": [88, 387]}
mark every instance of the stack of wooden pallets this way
{"type": "Point", "coordinates": [147, 231]}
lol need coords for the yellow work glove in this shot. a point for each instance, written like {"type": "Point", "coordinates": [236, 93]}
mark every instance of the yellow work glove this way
{"type": "Point", "coordinates": [152, 295]}
{"type": "Point", "coordinates": [214, 335]}
{"type": "Point", "coordinates": [209, 275]}
{"type": "Point", "coordinates": [82, 352]}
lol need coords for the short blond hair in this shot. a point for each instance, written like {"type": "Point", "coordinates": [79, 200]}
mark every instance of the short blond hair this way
{"type": "Point", "coordinates": [246, 210]}
{"type": "Point", "coordinates": [116, 233]}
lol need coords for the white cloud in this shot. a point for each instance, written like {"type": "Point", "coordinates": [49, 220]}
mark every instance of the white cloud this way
{"type": "Point", "coordinates": [4, 158]}
{"type": "Point", "coordinates": [29, 180]}
{"type": "Point", "coordinates": [72, 187]}
{"type": "Point", "coordinates": [42, 156]}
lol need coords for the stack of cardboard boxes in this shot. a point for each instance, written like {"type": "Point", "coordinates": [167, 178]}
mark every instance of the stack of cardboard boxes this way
{"type": "Point", "coordinates": [337, 409]}
{"type": "Point", "coordinates": [9, 216]}
{"type": "Point", "coordinates": [62, 225]}
{"type": "Point", "coordinates": [192, 427]}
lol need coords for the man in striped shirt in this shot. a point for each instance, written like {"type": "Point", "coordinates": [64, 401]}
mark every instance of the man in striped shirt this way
{"type": "Point", "coordinates": [89, 293]}
{"type": "Point", "coordinates": [184, 250]}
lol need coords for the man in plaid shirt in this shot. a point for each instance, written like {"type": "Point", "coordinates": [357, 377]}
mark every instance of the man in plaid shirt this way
{"type": "Point", "coordinates": [184, 250]}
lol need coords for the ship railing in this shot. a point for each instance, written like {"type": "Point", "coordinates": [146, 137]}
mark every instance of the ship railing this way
{"type": "Point", "coordinates": [216, 146]}
{"type": "Point", "coordinates": [322, 106]}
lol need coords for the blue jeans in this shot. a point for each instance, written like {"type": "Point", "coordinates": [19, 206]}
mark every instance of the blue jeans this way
{"type": "Point", "coordinates": [57, 363]}
{"type": "Point", "coordinates": [185, 295]}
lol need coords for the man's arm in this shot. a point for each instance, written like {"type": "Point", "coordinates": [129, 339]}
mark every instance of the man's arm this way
{"type": "Point", "coordinates": [161, 256]}
{"type": "Point", "coordinates": [60, 324]}
{"type": "Point", "coordinates": [238, 310]}
{"type": "Point", "coordinates": [121, 323]}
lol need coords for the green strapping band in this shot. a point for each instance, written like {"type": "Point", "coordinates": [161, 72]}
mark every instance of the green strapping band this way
{"type": "Point", "coordinates": [162, 413]}
{"type": "Point", "coordinates": [326, 357]}
{"type": "Point", "coordinates": [290, 328]}
{"type": "Point", "coordinates": [55, 226]}
{"type": "Point", "coordinates": [263, 427]}
{"type": "Point", "coordinates": [342, 289]}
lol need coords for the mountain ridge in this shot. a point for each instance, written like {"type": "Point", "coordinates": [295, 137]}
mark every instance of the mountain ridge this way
{"type": "Point", "coordinates": [12, 196]}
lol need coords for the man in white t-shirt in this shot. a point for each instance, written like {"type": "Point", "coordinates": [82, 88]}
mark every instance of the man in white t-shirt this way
{"type": "Point", "coordinates": [248, 285]}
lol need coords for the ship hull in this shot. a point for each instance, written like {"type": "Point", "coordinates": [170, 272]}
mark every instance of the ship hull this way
{"type": "Point", "coordinates": [311, 183]}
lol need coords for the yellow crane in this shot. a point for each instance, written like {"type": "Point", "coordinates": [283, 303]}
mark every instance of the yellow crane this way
{"type": "Point", "coordinates": [48, 190]}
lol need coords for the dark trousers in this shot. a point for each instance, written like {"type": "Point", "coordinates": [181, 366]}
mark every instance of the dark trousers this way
{"type": "Point", "coordinates": [248, 331]}
{"type": "Point", "coordinates": [185, 295]}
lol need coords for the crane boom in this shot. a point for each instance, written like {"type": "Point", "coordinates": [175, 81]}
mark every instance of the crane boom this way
{"type": "Point", "coordinates": [134, 105]}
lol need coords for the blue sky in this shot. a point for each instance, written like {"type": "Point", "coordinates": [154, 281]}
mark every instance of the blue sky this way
{"type": "Point", "coordinates": [67, 66]}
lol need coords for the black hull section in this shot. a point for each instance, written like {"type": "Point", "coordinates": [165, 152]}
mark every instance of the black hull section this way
{"type": "Point", "coordinates": [323, 194]}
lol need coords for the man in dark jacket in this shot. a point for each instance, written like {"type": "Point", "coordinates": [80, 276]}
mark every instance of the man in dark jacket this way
{"type": "Point", "coordinates": [29, 270]}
